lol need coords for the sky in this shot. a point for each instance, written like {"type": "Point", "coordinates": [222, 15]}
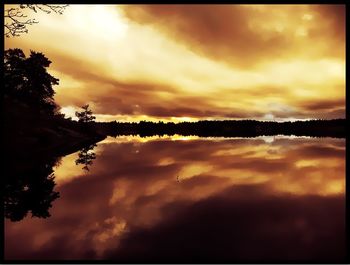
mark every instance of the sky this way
{"type": "Point", "coordinates": [193, 62]}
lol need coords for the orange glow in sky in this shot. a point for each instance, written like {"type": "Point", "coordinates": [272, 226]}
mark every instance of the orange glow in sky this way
{"type": "Point", "coordinates": [190, 62]}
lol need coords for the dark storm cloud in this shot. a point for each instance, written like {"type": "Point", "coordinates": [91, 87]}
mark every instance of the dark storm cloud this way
{"type": "Point", "coordinates": [215, 61]}
{"type": "Point", "coordinates": [219, 31]}
{"type": "Point", "coordinates": [335, 15]}
{"type": "Point", "coordinates": [324, 105]}
{"type": "Point", "coordinates": [226, 32]}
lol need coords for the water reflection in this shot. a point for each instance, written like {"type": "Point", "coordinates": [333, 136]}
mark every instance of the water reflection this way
{"type": "Point", "coordinates": [30, 190]}
{"type": "Point", "coordinates": [29, 187]}
{"type": "Point", "coordinates": [86, 156]}
{"type": "Point", "coordinates": [198, 200]}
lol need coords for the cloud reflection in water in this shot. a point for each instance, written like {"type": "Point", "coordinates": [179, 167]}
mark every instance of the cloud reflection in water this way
{"type": "Point", "coordinates": [196, 200]}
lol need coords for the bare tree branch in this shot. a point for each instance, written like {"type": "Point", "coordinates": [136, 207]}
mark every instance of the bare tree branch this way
{"type": "Point", "coordinates": [16, 22]}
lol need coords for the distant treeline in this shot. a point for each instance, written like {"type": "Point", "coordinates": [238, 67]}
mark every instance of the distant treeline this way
{"type": "Point", "coordinates": [230, 128]}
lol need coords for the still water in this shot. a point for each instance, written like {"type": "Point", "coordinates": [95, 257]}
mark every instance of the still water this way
{"type": "Point", "coordinates": [190, 199]}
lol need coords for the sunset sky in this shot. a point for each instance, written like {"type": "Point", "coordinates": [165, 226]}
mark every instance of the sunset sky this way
{"type": "Point", "coordinates": [191, 62]}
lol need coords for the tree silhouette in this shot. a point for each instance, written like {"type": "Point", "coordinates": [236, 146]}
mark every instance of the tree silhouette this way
{"type": "Point", "coordinates": [27, 80]}
{"type": "Point", "coordinates": [16, 21]}
{"type": "Point", "coordinates": [229, 128]}
{"type": "Point", "coordinates": [85, 115]}
{"type": "Point", "coordinates": [30, 190]}
{"type": "Point", "coordinates": [86, 156]}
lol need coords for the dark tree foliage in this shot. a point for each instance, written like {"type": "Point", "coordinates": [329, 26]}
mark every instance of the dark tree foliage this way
{"type": "Point", "coordinates": [230, 128]}
{"type": "Point", "coordinates": [16, 22]}
{"type": "Point", "coordinates": [85, 115]}
{"type": "Point", "coordinates": [27, 80]}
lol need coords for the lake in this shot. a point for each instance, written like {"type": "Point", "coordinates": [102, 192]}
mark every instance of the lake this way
{"type": "Point", "coordinates": [191, 199]}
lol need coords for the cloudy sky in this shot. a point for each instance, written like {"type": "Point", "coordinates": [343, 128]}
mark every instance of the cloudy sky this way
{"type": "Point", "coordinates": [190, 62]}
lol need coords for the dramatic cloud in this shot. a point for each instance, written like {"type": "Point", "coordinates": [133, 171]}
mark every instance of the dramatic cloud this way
{"type": "Point", "coordinates": [246, 34]}
{"type": "Point", "coordinates": [176, 62]}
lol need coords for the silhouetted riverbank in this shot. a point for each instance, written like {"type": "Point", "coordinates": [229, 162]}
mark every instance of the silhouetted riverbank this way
{"type": "Point", "coordinates": [28, 133]}
{"type": "Point", "coordinates": [31, 133]}
{"type": "Point", "coordinates": [35, 141]}
{"type": "Point", "coordinates": [230, 128]}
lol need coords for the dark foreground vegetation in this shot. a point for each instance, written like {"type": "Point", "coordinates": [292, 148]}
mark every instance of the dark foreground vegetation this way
{"type": "Point", "coordinates": [35, 135]}
{"type": "Point", "coordinates": [230, 128]}
{"type": "Point", "coordinates": [32, 120]}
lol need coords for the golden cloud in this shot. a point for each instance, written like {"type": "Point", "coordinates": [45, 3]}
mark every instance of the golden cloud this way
{"type": "Point", "coordinates": [196, 61]}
